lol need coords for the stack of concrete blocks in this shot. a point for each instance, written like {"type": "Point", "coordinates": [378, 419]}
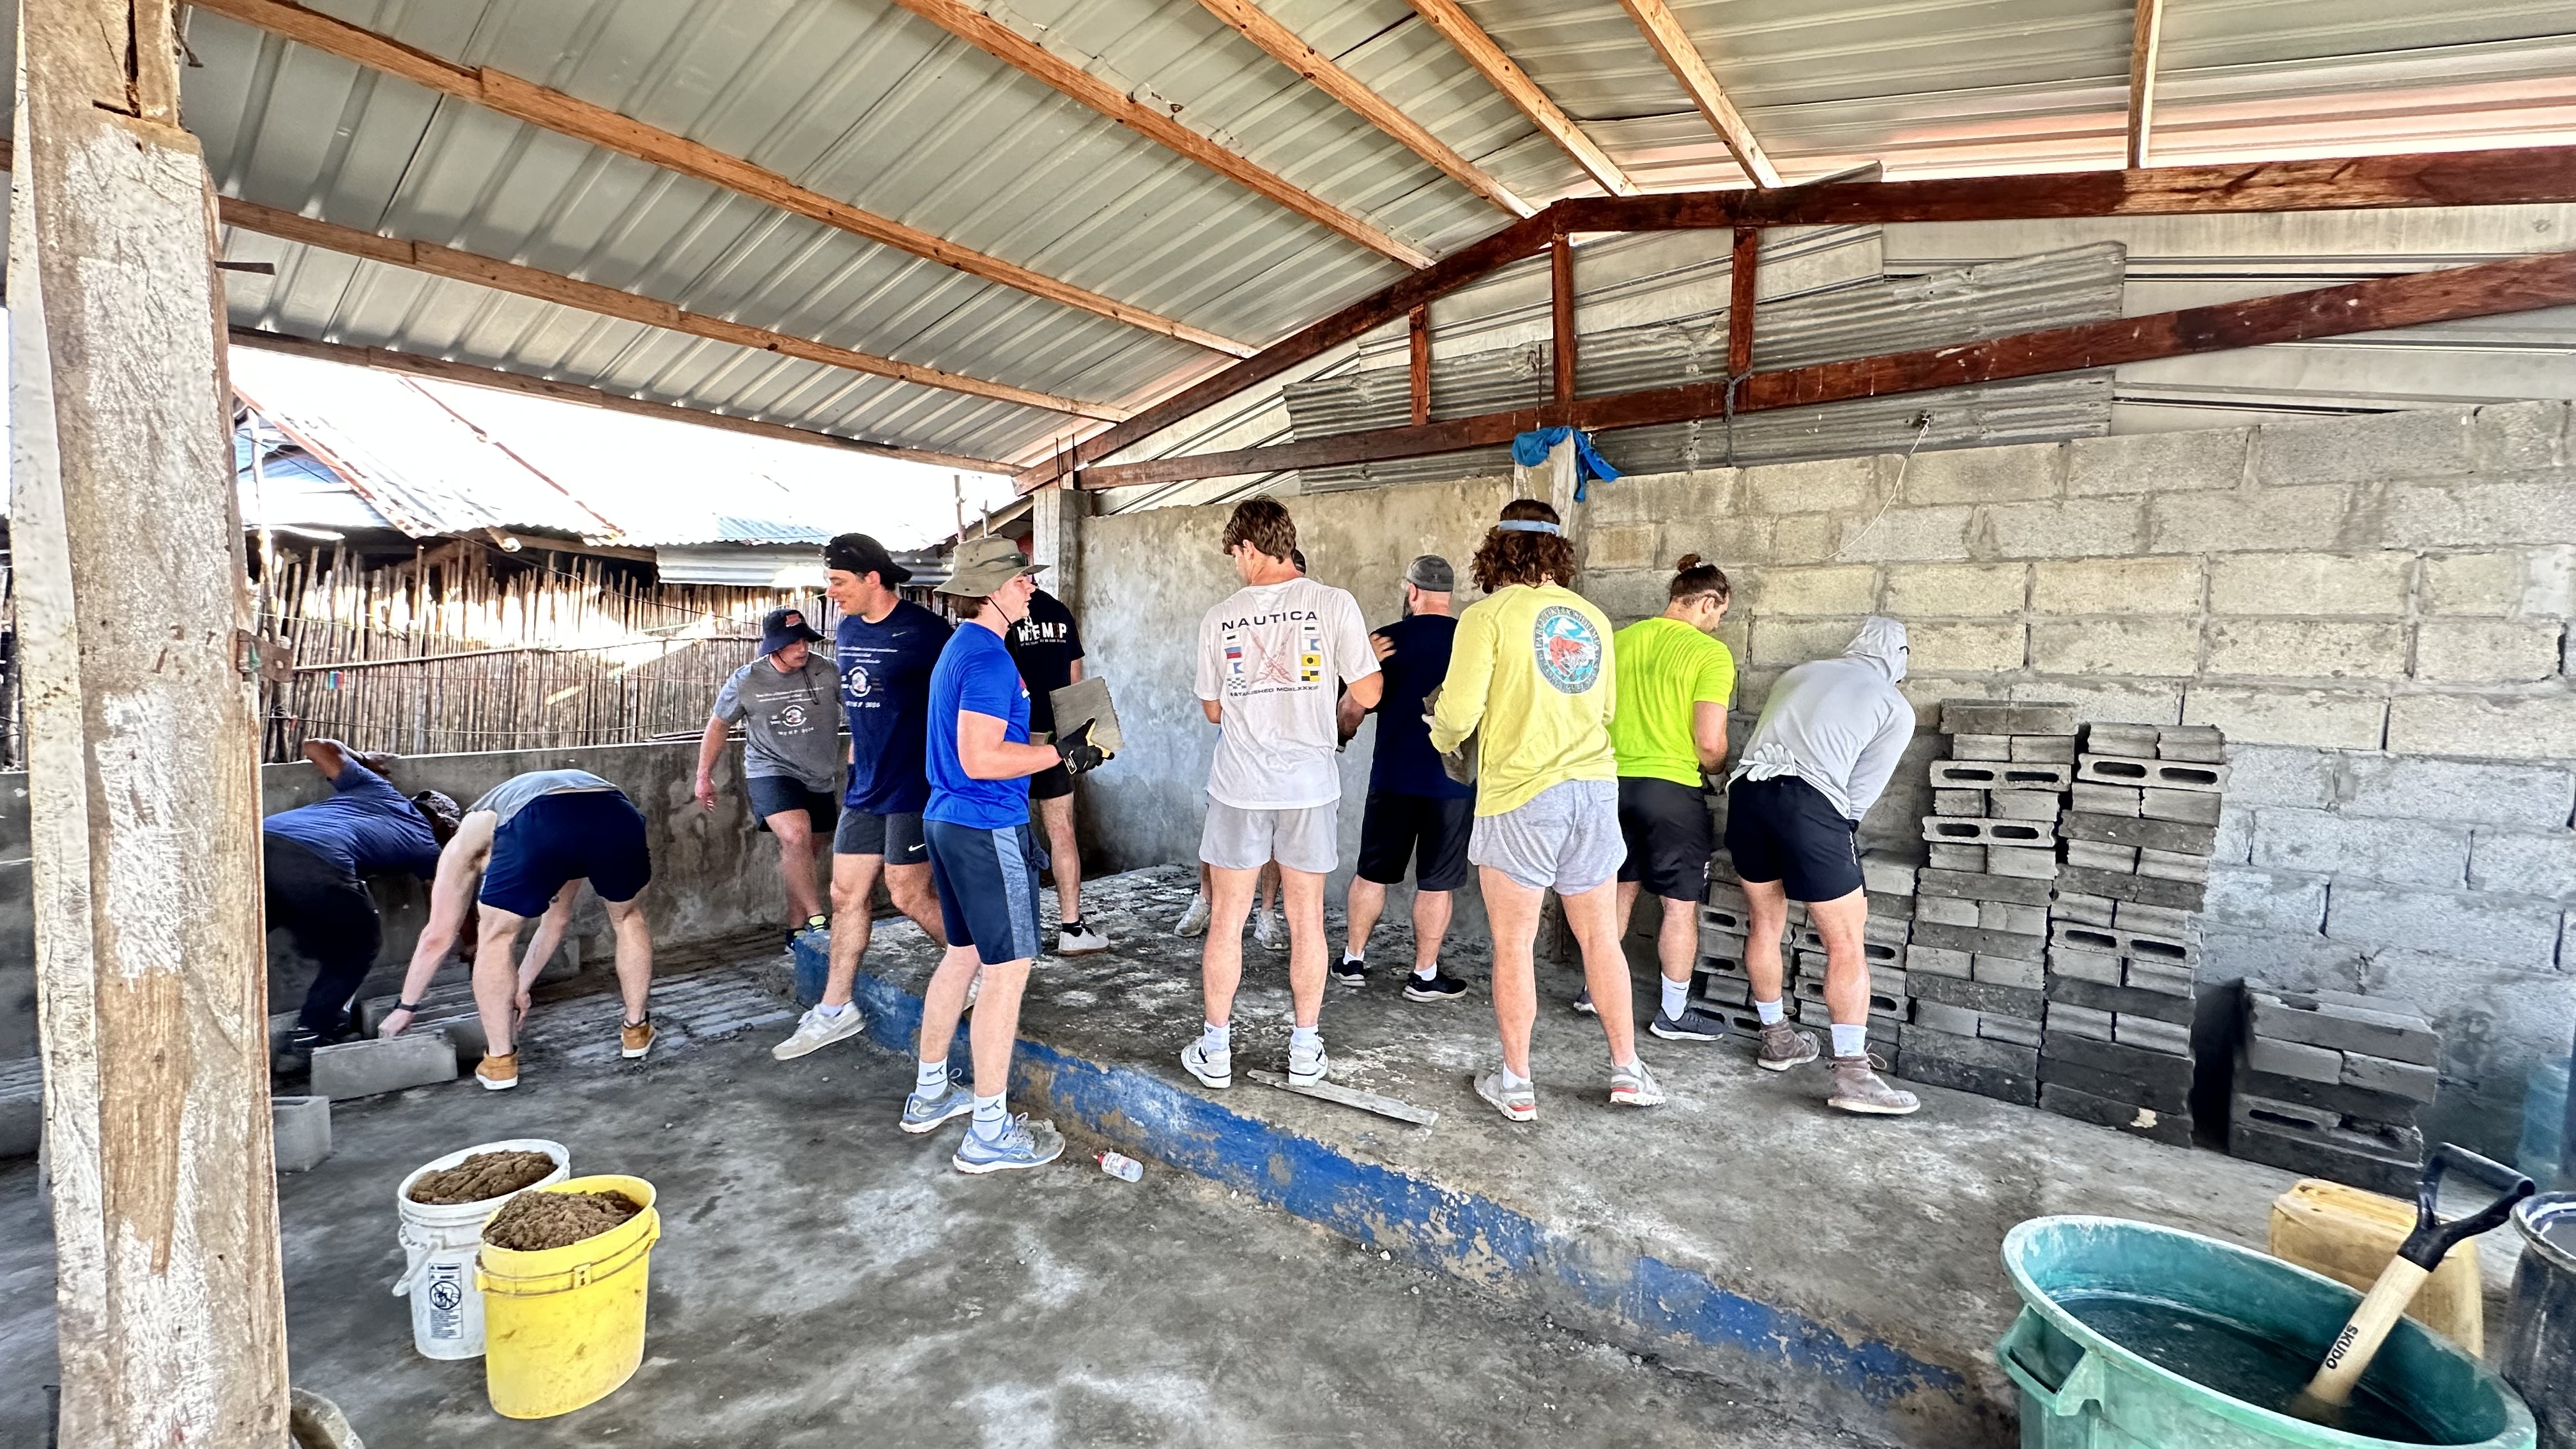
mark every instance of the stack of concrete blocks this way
{"type": "Point", "coordinates": [1721, 984]}
{"type": "Point", "coordinates": [2124, 930]}
{"type": "Point", "coordinates": [2328, 1084]}
{"type": "Point", "coordinates": [1977, 959]}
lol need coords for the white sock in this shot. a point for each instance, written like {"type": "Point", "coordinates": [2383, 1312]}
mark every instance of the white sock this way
{"type": "Point", "coordinates": [1350, 956]}
{"type": "Point", "coordinates": [1215, 1040]}
{"type": "Point", "coordinates": [930, 1079]}
{"type": "Point", "coordinates": [1305, 1038]}
{"type": "Point", "coordinates": [1676, 998]}
{"type": "Point", "coordinates": [1513, 1082]}
{"type": "Point", "coordinates": [1425, 973]}
{"type": "Point", "coordinates": [834, 1013]}
{"type": "Point", "coordinates": [1851, 1041]}
{"type": "Point", "coordinates": [990, 1119]}
{"type": "Point", "coordinates": [1772, 1012]}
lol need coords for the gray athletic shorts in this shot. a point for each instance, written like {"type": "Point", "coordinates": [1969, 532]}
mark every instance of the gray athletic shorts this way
{"type": "Point", "coordinates": [1308, 840]}
{"type": "Point", "coordinates": [1565, 838]}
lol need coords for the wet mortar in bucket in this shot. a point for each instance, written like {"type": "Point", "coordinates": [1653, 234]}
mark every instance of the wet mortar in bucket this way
{"type": "Point", "coordinates": [2218, 1354]}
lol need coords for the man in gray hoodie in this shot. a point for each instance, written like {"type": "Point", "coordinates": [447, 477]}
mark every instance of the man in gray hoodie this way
{"type": "Point", "coordinates": [1829, 738]}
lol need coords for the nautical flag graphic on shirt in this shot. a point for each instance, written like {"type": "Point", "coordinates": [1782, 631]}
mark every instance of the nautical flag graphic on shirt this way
{"type": "Point", "coordinates": [1310, 656]}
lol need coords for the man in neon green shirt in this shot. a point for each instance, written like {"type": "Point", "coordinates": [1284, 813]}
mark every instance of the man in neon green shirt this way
{"type": "Point", "coordinates": [1674, 681]}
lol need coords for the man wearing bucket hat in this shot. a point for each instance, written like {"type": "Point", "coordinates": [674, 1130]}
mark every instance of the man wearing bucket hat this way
{"type": "Point", "coordinates": [983, 861]}
{"type": "Point", "coordinates": [885, 647]}
{"type": "Point", "coordinates": [788, 702]}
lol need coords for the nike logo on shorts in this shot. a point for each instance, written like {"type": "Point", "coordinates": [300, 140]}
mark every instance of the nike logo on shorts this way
{"type": "Point", "coordinates": [916, 848]}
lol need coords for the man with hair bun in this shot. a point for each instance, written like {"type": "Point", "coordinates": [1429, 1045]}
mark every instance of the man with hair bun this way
{"type": "Point", "coordinates": [1674, 682]}
{"type": "Point", "coordinates": [1532, 676]}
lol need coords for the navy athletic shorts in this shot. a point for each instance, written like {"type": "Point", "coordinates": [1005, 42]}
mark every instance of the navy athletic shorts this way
{"type": "Point", "coordinates": [779, 794]}
{"type": "Point", "coordinates": [1784, 829]}
{"type": "Point", "coordinates": [1669, 837]}
{"type": "Point", "coordinates": [988, 889]}
{"type": "Point", "coordinates": [896, 837]}
{"type": "Point", "coordinates": [593, 835]}
{"type": "Point", "coordinates": [1429, 832]}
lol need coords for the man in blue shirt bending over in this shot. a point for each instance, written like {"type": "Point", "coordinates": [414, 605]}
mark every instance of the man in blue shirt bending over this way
{"type": "Point", "coordinates": [982, 860]}
{"type": "Point", "coordinates": [315, 859]}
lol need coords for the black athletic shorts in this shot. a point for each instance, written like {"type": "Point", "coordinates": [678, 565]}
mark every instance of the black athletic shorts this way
{"type": "Point", "coordinates": [896, 837]}
{"type": "Point", "coordinates": [1784, 829]}
{"type": "Point", "coordinates": [779, 794]}
{"type": "Point", "coordinates": [1669, 837]}
{"type": "Point", "coordinates": [593, 835]}
{"type": "Point", "coordinates": [1425, 830]}
{"type": "Point", "coordinates": [1051, 783]}
{"type": "Point", "coordinates": [988, 889]}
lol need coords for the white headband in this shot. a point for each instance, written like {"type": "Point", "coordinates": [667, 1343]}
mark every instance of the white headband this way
{"type": "Point", "coordinates": [1528, 525]}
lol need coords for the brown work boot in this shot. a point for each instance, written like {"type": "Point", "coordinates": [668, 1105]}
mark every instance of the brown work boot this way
{"type": "Point", "coordinates": [636, 1039]}
{"type": "Point", "coordinates": [1857, 1088]}
{"type": "Point", "coordinates": [498, 1073]}
{"type": "Point", "coordinates": [1784, 1046]}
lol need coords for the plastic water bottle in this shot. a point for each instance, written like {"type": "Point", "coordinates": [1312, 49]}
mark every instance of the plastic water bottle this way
{"type": "Point", "coordinates": [1122, 1167]}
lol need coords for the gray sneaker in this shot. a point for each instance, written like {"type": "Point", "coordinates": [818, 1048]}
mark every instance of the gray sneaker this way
{"type": "Point", "coordinates": [1520, 1104]}
{"type": "Point", "coordinates": [1857, 1088]}
{"type": "Point", "coordinates": [1215, 1070]}
{"type": "Point", "coordinates": [926, 1114]}
{"type": "Point", "coordinates": [1022, 1144]}
{"type": "Point", "coordinates": [1784, 1046]}
{"type": "Point", "coordinates": [1307, 1069]}
{"type": "Point", "coordinates": [815, 1031]}
{"type": "Point", "coordinates": [1694, 1024]}
{"type": "Point", "coordinates": [1194, 921]}
{"type": "Point", "coordinates": [1634, 1086]}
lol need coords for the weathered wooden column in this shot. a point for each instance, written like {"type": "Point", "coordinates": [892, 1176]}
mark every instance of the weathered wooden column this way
{"type": "Point", "coordinates": [142, 782]}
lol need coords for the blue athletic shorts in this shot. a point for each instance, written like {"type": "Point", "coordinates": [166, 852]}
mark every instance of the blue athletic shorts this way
{"type": "Point", "coordinates": [988, 888]}
{"type": "Point", "coordinates": [594, 835]}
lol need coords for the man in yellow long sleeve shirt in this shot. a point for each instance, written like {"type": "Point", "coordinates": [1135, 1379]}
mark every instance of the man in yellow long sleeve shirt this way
{"type": "Point", "coordinates": [1531, 674]}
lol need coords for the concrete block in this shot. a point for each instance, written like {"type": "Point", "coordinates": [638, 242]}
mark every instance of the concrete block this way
{"type": "Point", "coordinates": [1921, 591]}
{"type": "Point", "coordinates": [1793, 641]}
{"type": "Point", "coordinates": [2505, 929]}
{"type": "Point", "coordinates": [2165, 978]}
{"type": "Point", "coordinates": [1845, 591]}
{"type": "Point", "coordinates": [2115, 941]}
{"type": "Point", "coordinates": [1938, 961]}
{"type": "Point", "coordinates": [1980, 996]}
{"type": "Point", "coordinates": [2488, 651]}
{"type": "Point", "coordinates": [2410, 852]}
{"type": "Point", "coordinates": [1947, 911]}
{"type": "Point", "coordinates": [2159, 920]}
{"type": "Point", "coordinates": [2352, 1134]}
{"type": "Point", "coordinates": [2033, 805]}
{"type": "Point", "coordinates": [1966, 804]}
{"type": "Point", "coordinates": [2183, 895]}
{"type": "Point", "coordinates": [2122, 1001]}
{"type": "Point", "coordinates": [1721, 945]}
{"type": "Point", "coordinates": [2509, 436]}
{"type": "Point", "coordinates": [2161, 1071]}
{"type": "Point", "coordinates": [2525, 508]}
{"type": "Point", "coordinates": [1977, 886]}
{"type": "Point", "coordinates": [1981, 747]}
{"type": "Point", "coordinates": [2029, 863]}
{"type": "Point", "coordinates": [2171, 835]}
{"type": "Point", "coordinates": [2002, 1084]}
{"type": "Point", "coordinates": [2005, 717]}
{"type": "Point", "coordinates": [1965, 858]}
{"type": "Point", "coordinates": [2281, 775]}
{"type": "Point", "coordinates": [1822, 486]}
{"type": "Point", "coordinates": [2522, 863]}
{"type": "Point", "coordinates": [2043, 749]}
{"type": "Point", "coordinates": [2153, 585]}
{"type": "Point", "coordinates": [2149, 1034]}
{"type": "Point", "coordinates": [2264, 520]}
{"type": "Point", "coordinates": [2533, 797]}
{"type": "Point", "coordinates": [2164, 1120]}
{"type": "Point", "coordinates": [2094, 855]}
{"type": "Point", "coordinates": [2494, 1021]}
{"type": "Point", "coordinates": [2410, 1080]}
{"type": "Point", "coordinates": [2286, 1058]}
{"type": "Point", "coordinates": [2191, 807]}
{"type": "Point", "coordinates": [2235, 837]}
{"type": "Point", "coordinates": [2006, 971]}
{"type": "Point", "coordinates": [2307, 648]}
{"type": "Point", "coordinates": [2150, 773]}
{"type": "Point", "coordinates": [1972, 1051]}
{"type": "Point", "coordinates": [2199, 743]}
{"type": "Point", "coordinates": [2307, 1157]}
{"type": "Point", "coordinates": [2525, 582]}
{"type": "Point", "coordinates": [1722, 990]}
{"type": "Point", "coordinates": [2132, 646]}
{"type": "Point", "coordinates": [1805, 538]}
{"type": "Point", "coordinates": [2122, 738]}
{"type": "Point", "coordinates": [2417, 443]}
{"type": "Point", "coordinates": [1966, 647]}
{"type": "Point", "coordinates": [2081, 1023]}
{"type": "Point", "coordinates": [2340, 719]}
{"type": "Point", "coordinates": [2093, 966]}
{"type": "Point", "coordinates": [1978, 939]}
{"type": "Point", "coordinates": [1883, 876]}
{"type": "Point", "coordinates": [1907, 535]}
{"type": "Point", "coordinates": [2187, 865]}
{"type": "Point", "coordinates": [1940, 1016]}
{"type": "Point", "coordinates": [2108, 696]}
{"type": "Point", "coordinates": [2077, 907]}
{"type": "Point", "coordinates": [2310, 583]}
{"type": "Point", "coordinates": [1619, 546]}
{"type": "Point", "coordinates": [2078, 528]}
{"type": "Point", "coordinates": [2290, 962]}
{"type": "Point", "coordinates": [2011, 916]}
{"type": "Point", "coordinates": [371, 1065]}
{"type": "Point", "coordinates": [2157, 462]}
{"type": "Point", "coordinates": [2273, 901]}
{"type": "Point", "coordinates": [1980, 475]}
{"type": "Point", "coordinates": [2095, 799]}
{"type": "Point", "coordinates": [1967, 830]}
{"type": "Point", "coordinates": [301, 1129]}
{"type": "Point", "coordinates": [2009, 1029]}
{"type": "Point", "coordinates": [2332, 1097]}
{"type": "Point", "coordinates": [1999, 775]}
{"type": "Point", "coordinates": [2338, 1022]}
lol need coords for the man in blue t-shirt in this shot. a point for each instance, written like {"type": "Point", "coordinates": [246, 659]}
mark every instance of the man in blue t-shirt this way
{"type": "Point", "coordinates": [314, 860]}
{"type": "Point", "coordinates": [1416, 814]}
{"type": "Point", "coordinates": [886, 647]}
{"type": "Point", "coordinates": [983, 862]}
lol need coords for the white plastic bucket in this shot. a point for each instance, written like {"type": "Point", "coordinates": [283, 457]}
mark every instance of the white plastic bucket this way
{"type": "Point", "coordinates": [439, 1244]}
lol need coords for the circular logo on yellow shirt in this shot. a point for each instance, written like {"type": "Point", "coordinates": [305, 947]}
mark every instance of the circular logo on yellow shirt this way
{"type": "Point", "coordinates": [1567, 648]}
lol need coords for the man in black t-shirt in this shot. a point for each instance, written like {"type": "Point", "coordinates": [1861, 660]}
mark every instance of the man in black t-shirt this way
{"type": "Point", "coordinates": [1048, 649]}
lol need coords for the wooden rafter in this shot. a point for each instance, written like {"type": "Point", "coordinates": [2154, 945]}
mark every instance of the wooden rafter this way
{"type": "Point", "coordinates": [1283, 45]}
{"type": "Point", "coordinates": [1742, 286]}
{"type": "Point", "coordinates": [2485, 290]}
{"type": "Point", "coordinates": [552, 110]}
{"type": "Point", "coordinates": [2142, 76]}
{"type": "Point", "coordinates": [1006, 45]}
{"type": "Point", "coordinates": [1499, 71]}
{"type": "Point", "coordinates": [607, 301]}
{"type": "Point", "coordinates": [1680, 55]}
{"type": "Point", "coordinates": [1417, 360]}
{"type": "Point", "coordinates": [418, 365]}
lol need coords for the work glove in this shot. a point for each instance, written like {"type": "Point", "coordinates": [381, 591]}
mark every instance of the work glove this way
{"type": "Point", "coordinates": [1079, 753]}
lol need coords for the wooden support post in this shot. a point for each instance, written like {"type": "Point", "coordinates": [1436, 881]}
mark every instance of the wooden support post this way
{"type": "Point", "coordinates": [1560, 301]}
{"type": "Point", "coordinates": [143, 786]}
{"type": "Point", "coordinates": [1418, 361]}
{"type": "Point", "coordinates": [2143, 37]}
{"type": "Point", "coordinates": [1742, 269]}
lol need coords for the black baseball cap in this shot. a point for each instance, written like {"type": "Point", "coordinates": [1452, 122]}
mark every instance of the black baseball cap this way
{"type": "Point", "coordinates": [857, 553]}
{"type": "Point", "coordinates": [783, 627]}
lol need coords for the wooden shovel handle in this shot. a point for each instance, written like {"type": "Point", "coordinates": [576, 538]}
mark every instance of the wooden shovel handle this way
{"type": "Point", "coordinates": [2353, 1349]}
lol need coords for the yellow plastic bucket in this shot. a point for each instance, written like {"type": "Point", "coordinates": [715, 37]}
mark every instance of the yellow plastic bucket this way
{"type": "Point", "coordinates": [563, 1327]}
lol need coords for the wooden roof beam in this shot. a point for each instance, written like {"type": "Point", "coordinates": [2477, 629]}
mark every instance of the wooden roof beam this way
{"type": "Point", "coordinates": [420, 365]}
{"type": "Point", "coordinates": [2143, 40]}
{"type": "Point", "coordinates": [1006, 45]}
{"type": "Point", "coordinates": [607, 301]}
{"type": "Point", "coordinates": [1672, 45]}
{"type": "Point", "coordinates": [1471, 41]}
{"type": "Point", "coordinates": [552, 110]}
{"type": "Point", "coordinates": [1283, 45]}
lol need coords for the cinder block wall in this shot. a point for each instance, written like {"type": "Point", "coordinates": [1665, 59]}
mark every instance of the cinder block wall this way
{"type": "Point", "coordinates": [2375, 610]}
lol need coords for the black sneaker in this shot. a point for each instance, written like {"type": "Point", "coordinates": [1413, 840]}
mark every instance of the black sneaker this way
{"type": "Point", "coordinates": [1583, 1003]}
{"type": "Point", "coordinates": [1438, 987]}
{"type": "Point", "coordinates": [1350, 972]}
{"type": "Point", "coordinates": [1692, 1025]}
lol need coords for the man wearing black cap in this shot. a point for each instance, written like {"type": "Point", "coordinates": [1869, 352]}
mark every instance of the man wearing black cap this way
{"type": "Point", "coordinates": [791, 752]}
{"type": "Point", "coordinates": [886, 648]}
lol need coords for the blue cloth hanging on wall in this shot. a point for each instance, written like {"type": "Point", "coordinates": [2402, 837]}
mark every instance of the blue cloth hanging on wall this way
{"type": "Point", "coordinates": [1531, 449]}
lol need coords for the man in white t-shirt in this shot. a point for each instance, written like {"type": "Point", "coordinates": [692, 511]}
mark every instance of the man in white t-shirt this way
{"type": "Point", "coordinates": [1272, 657]}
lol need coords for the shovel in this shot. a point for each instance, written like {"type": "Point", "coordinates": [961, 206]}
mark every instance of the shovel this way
{"type": "Point", "coordinates": [2349, 1356]}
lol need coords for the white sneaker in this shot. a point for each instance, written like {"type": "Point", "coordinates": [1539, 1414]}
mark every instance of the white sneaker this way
{"type": "Point", "coordinates": [1307, 1069]}
{"type": "Point", "coordinates": [1265, 929]}
{"type": "Point", "coordinates": [1085, 941]}
{"type": "Point", "coordinates": [815, 1031]}
{"type": "Point", "coordinates": [1215, 1070]}
{"type": "Point", "coordinates": [1194, 921]}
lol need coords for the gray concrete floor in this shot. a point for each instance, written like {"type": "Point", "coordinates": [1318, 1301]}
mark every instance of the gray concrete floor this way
{"type": "Point", "coordinates": [824, 1277]}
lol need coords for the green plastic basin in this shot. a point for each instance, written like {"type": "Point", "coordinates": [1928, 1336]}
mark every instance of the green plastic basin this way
{"type": "Point", "coordinates": [2080, 1390]}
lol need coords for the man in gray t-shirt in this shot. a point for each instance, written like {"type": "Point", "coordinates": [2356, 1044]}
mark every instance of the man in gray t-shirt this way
{"type": "Point", "coordinates": [789, 703]}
